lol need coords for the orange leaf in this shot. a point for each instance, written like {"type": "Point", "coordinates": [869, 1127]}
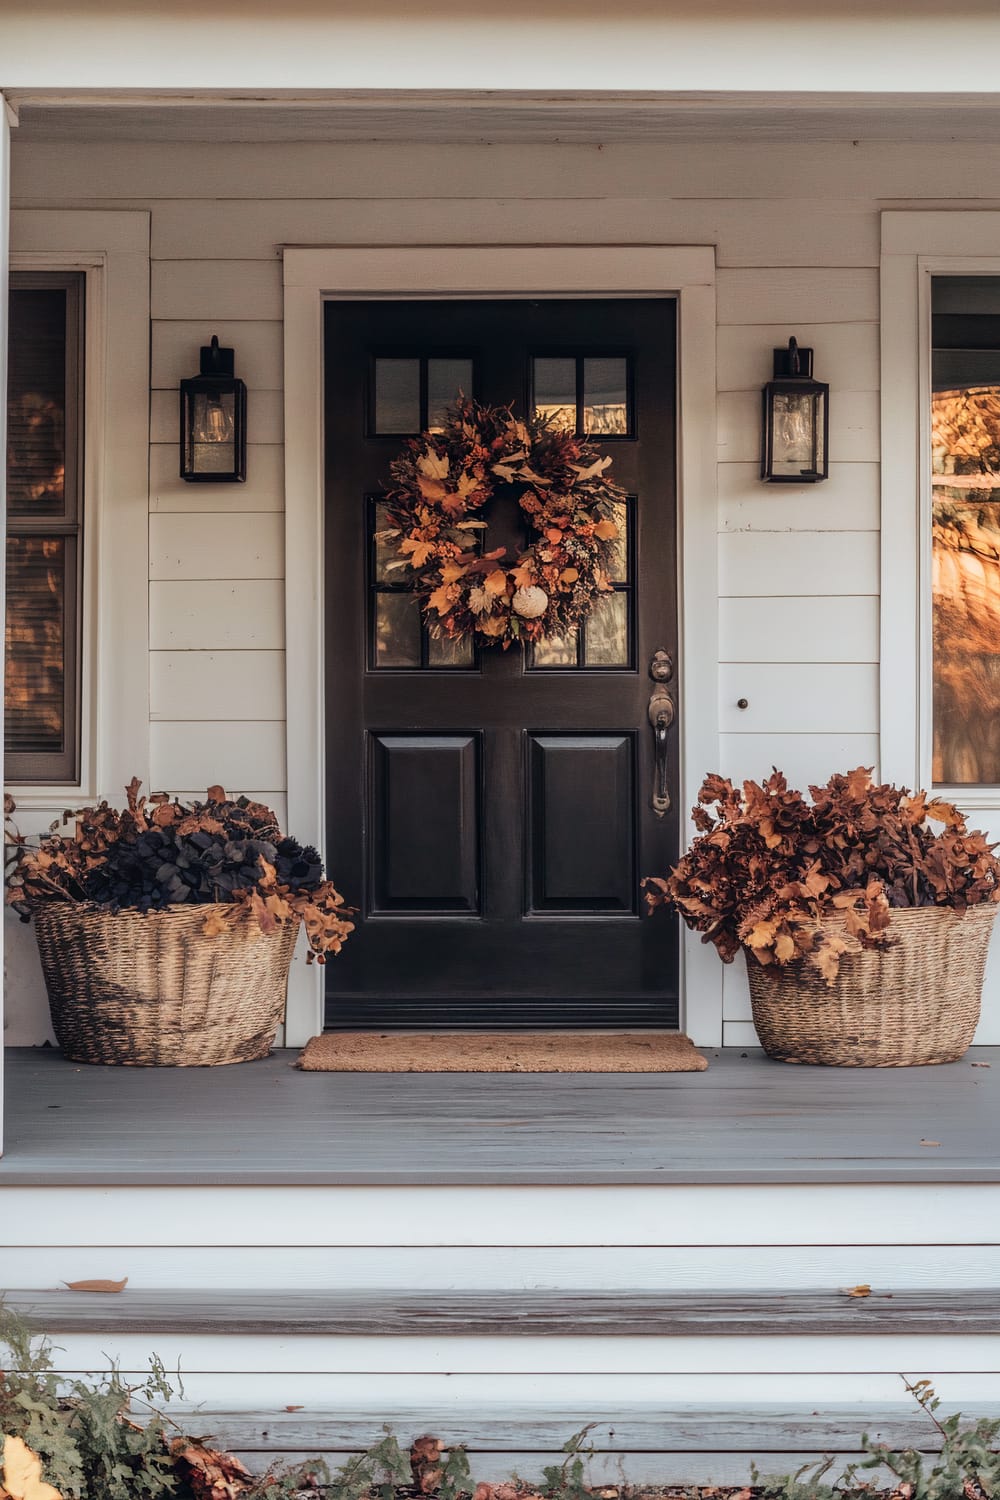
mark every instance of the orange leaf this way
{"type": "Point", "coordinates": [451, 572]}
{"type": "Point", "coordinates": [442, 598]}
{"type": "Point", "coordinates": [97, 1286]}
{"type": "Point", "coordinates": [420, 551]}
{"type": "Point", "coordinates": [606, 530]}
{"type": "Point", "coordinates": [864, 1290]}
{"type": "Point", "coordinates": [496, 582]}
{"type": "Point", "coordinates": [431, 489]}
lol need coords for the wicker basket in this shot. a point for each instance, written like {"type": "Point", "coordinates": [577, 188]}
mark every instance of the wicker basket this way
{"type": "Point", "coordinates": [914, 1003]}
{"type": "Point", "coordinates": [152, 990]}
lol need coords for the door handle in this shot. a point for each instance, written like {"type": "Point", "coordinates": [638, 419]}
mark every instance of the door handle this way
{"type": "Point", "coordinates": [661, 716]}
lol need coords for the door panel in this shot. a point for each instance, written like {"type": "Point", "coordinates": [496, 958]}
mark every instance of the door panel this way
{"type": "Point", "coordinates": [491, 812]}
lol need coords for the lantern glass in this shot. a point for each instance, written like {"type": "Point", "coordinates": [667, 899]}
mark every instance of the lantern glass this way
{"type": "Point", "coordinates": [213, 420]}
{"type": "Point", "coordinates": [796, 420]}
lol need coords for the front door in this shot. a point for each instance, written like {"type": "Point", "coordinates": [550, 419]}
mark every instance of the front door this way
{"type": "Point", "coordinates": [491, 813]}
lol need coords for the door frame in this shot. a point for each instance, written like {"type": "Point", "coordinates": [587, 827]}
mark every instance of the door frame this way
{"type": "Point", "coordinates": [312, 276]}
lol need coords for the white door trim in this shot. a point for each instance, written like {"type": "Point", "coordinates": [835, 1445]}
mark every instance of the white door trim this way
{"type": "Point", "coordinates": [310, 276]}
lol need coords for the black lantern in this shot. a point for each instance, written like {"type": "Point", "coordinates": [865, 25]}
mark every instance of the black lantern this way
{"type": "Point", "coordinates": [796, 432]}
{"type": "Point", "coordinates": [214, 421]}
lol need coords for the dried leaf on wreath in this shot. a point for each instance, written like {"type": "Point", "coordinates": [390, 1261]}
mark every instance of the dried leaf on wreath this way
{"type": "Point", "coordinates": [97, 1285]}
{"type": "Point", "coordinates": [496, 582]}
{"type": "Point", "coordinates": [434, 465]}
{"type": "Point", "coordinates": [210, 1475]}
{"type": "Point", "coordinates": [606, 530]}
{"type": "Point", "coordinates": [419, 551]}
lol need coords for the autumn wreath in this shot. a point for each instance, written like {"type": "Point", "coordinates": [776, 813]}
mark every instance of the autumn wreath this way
{"type": "Point", "coordinates": [443, 482]}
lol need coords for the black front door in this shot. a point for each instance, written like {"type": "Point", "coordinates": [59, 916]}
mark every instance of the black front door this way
{"type": "Point", "coordinates": [491, 813]}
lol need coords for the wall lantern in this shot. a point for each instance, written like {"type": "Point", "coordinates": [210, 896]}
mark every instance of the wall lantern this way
{"type": "Point", "coordinates": [796, 430]}
{"type": "Point", "coordinates": [214, 421]}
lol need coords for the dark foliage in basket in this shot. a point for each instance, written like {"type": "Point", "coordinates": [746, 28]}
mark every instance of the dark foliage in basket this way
{"type": "Point", "coordinates": [158, 853]}
{"type": "Point", "coordinates": [769, 865]}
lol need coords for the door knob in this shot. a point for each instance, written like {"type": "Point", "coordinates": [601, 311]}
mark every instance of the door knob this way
{"type": "Point", "coordinates": [661, 714]}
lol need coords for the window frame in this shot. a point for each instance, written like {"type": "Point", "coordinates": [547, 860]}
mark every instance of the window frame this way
{"type": "Point", "coordinates": [34, 768]}
{"type": "Point", "coordinates": [111, 248]}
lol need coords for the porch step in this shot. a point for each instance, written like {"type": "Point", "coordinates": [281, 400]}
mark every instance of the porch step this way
{"type": "Point", "coordinates": [436, 1314]}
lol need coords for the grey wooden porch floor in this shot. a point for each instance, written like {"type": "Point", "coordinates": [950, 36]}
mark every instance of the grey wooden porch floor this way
{"type": "Point", "coordinates": [747, 1120]}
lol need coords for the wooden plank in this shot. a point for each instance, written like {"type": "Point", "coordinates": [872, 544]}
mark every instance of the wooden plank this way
{"type": "Point", "coordinates": [258, 347]}
{"type": "Point", "coordinates": [265, 423]}
{"type": "Point", "coordinates": [264, 488]}
{"type": "Point", "coordinates": [212, 289]}
{"type": "Point", "coordinates": [822, 233]}
{"type": "Point", "coordinates": [217, 685]}
{"type": "Point", "coordinates": [846, 355]}
{"type": "Point", "coordinates": [854, 427]}
{"type": "Point", "coordinates": [766, 564]}
{"type": "Point", "coordinates": [806, 759]}
{"type": "Point", "coordinates": [73, 172]}
{"type": "Point", "coordinates": [813, 629]}
{"type": "Point", "coordinates": [847, 501]}
{"type": "Point", "coordinates": [643, 1428]}
{"type": "Point", "coordinates": [790, 295]}
{"type": "Point", "coordinates": [798, 698]}
{"type": "Point", "coordinates": [744, 1121]}
{"type": "Point", "coordinates": [405, 1267]}
{"type": "Point", "coordinates": [244, 753]}
{"type": "Point", "coordinates": [241, 544]}
{"type": "Point", "coordinates": [214, 615]}
{"type": "Point", "coordinates": [524, 1313]}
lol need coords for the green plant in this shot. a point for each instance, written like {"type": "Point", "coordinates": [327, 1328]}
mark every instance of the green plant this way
{"type": "Point", "coordinates": [770, 865]}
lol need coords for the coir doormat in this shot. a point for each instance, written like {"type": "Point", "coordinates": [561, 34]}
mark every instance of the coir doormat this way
{"type": "Point", "coordinates": [502, 1052]}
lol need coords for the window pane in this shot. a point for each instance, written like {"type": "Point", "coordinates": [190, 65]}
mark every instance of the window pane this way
{"type": "Point", "coordinates": [384, 553]}
{"type": "Point", "coordinates": [965, 454]}
{"type": "Point", "coordinates": [36, 436]}
{"type": "Point", "coordinates": [397, 395]}
{"type": "Point", "coordinates": [605, 642]}
{"type": "Point", "coordinates": [36, 645]}
{"type": "Point", "coordinates": [397, 630]}
{"type": "Point", "coordinates": [618, 571]}
{"type": "Point", "coordinates": [442, 652]}
{"type": "Point", "coordinates": [555, 651]}
{"type": "Point", "coordinates": [554, 387]}
{"type": "Point", "coordinates": [605, 396]}
{"type": "Point", "coordinates": [447, 379]}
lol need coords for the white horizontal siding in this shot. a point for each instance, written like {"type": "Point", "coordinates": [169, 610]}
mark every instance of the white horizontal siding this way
{"type": "Point", "coordinates": [217, 685]}
{"type": "Point", "coordinates": [233, 753]}
{"type": "Point", "coordinates": [854, 426]}
{"type": "Point", "coordinates": [265, 481]}
{"type": "Point", "coordinates": [258, 347]}
{"type": "Point", "coordinates": [214, 289]}
{"type": "Point", "coordinates": [847, 501]}
{"type": "Point", "coordinates": [846, 355]}
{"type": "Point", "coordinates": [795, 697]}
{"type": "Point", "coordinates": [238, 544]}
{"type": "Point", "coordinates": [807, 759]}
{"type": "Point", "coordinates": [759, 564]}
{"type": "Point", "coordinates": [217, 614]}
{"type": "Point", "coordinates": [800, 628]}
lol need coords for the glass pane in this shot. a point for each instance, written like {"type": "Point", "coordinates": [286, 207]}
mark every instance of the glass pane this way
{"type": "Point", "coordinates": [441, 652]}
{"type": "Point", "coordinates": [965, 462]}
{"type": "Point", "coordinates": [605, 641]}
{"type": "Point", "coordinates": [619, 547]}
{"type": "Point", "coordinates": [447, 379]}
{"type": "Point", "coordinates": [211, 433]}
{"type": "Point", "coordinates": [554, 387]}
{"type": "Point", "coordinates": [36, 644]}
{"type": "Point", "coordinates": [36, 435]}
{"type": "Point", "coordinates": [384, 553]}
{"type": "Point", "coordinates": [397, 395]}
{"type": "Point", "coordinates": [605, 396]}
{"type": "Point", "coordinates": [557, 651]}
{"type": "Point", "coordinates": [795, 428]}
{"type": "Point", "coordinates": [397, 630]}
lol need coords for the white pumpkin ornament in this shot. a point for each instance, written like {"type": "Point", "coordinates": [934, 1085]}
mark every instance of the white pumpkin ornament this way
{"type": "Point", "coordinates": [530, 602]}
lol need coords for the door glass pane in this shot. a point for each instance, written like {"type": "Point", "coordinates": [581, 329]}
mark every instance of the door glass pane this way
{"type": "Point", "coordinates": [447, 379]}
{"type": "Point", "coordinates": [384, 553]}
{"type": "Point", "coordinates": [605, 642]}
{"type": "Point", "coordinates": [36, 645]}
{"type": "Point", "coordinates": [557, 651]}
{"type": "Point", "coordinates": [965, 454]}
{"type": "Point", "coordinates": [605, 396]}
{"type": "Point", "coordinates": [397, 395]}
{"type": "Point", "coordinates": [554, 388]}
{"type": "Point", "coordinates": [397, 630]}
{"type": "Point", "coordinates": [36, 431]}
{"type": "Point", "coordinates": [618, 571]}
{"type": "Point", "coordinates": [442, 652]}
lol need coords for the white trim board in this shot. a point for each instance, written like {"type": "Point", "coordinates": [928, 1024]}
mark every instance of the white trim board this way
{"type": "Point", "coordinates": [314, 275]}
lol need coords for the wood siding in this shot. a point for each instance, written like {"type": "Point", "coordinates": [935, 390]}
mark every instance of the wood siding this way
{"type": "Point", "coordinates": [799, 568]}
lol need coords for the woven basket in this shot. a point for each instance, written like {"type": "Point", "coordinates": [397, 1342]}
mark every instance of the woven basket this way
{"type": "Point", "coordinates": [913, 1003]}
{"type": "Point", "coordinates": [152, 990]}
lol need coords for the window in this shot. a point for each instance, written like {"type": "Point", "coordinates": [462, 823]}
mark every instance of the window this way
{"type": "Point", "coordinates": [44, 516]}
{"type": "Point", "coordinates": [965, 484]}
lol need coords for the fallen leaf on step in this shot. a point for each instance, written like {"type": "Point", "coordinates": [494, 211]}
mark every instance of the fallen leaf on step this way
{"type": "Point", "coordinates": [980, 1065]}
{"type": "Point", "coordinates": [930, 1143]}
{"type": "Point", "coordinates": [97, 1286]}
{"type": "Point", "coordinates": [864, 1290]}
{"type": "Point", "coordinates": [295, 1408]}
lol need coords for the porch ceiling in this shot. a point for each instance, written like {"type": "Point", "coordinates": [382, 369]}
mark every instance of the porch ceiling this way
{"type": "Point", "coordinates": [465, 117]}
{"type": "Point", "coordinates": [747, 1120]}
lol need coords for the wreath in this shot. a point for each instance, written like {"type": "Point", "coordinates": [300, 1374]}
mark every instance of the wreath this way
{"type": "Point", "coordinates": [442, 483]}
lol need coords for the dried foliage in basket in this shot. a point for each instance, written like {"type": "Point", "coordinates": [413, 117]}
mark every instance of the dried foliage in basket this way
{"type": "Point", "coordinates": [770, 865]}
{"type": "Point", "coordinates": [157, 853]}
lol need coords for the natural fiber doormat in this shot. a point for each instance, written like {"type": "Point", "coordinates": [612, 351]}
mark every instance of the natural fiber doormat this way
{"type": "Point", "coordinates": [502, 1052]}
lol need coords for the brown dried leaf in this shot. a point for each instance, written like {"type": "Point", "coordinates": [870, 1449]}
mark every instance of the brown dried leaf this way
{"type": "Point", "coordinates": [863, 1290]}
{"type": "Point", "coordinates": [22, 1473]}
